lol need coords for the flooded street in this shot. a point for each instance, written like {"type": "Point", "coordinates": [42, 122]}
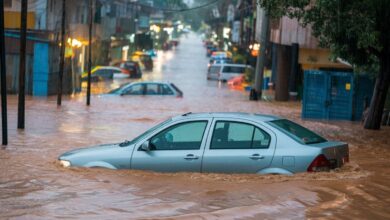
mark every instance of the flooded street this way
{"type": "Point", "coordinates": [34, 186]}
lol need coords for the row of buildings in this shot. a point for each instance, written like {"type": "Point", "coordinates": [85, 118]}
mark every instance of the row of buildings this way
{"type": "Point", "coordinates": [117, 26]}
{"type": "Point", "coordinates": [236, 26]}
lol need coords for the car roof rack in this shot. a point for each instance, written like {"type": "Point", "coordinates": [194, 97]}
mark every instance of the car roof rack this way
{"type": "Point", "coordinates": [188, 113]}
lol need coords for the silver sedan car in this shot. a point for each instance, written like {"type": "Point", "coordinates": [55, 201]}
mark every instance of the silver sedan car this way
{"type": "Point", "coordinates": [218, 142]}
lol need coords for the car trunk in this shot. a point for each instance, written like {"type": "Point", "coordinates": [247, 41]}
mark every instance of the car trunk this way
{"type": "Point", "coordinates": [336, 152]}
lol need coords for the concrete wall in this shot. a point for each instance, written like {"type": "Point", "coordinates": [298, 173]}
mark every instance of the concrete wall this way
{"type": "Point", "coordinates": [287, 31]}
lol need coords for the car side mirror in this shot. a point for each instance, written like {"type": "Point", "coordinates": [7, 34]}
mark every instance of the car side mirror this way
{"type": "Point", "coordinates": [145, 146]}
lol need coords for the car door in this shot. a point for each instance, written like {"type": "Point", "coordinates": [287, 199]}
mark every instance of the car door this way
{"type": "Point", "coordinates": [135, 89]}
{"type": "Point", "coordinates": [177, 147]}
{"type": "Point", "coordinates": [238, 146]}
{"type": "Point", "coordinates": [166, 90]}
{"type": "Point", "coordinates": [104, 73]}
{"type": "Point", "coordinates": [153, 89]}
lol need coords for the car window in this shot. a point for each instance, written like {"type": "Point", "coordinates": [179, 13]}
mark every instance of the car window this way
{"type": "Point", "coordinates": [299, 133]}
{"type": "Point", "coordinates": [260, 139]}
{"type": "Point", "coordinates": [238, 135]}
{"type": "Point", "coordinates": [233, 69]}
{"type": "Point", "coordinates": [137, 89]}
{"type": "Point", "coordinates": [215, 69]}
{"type": "Point", "coordinates": [152, 89]}
{"type": "Point", "coordinates": [183, 136]}
{"type": "Point", "coordinates": [100, 72]}
{"type": "Point", "coordinates": [166, 90]}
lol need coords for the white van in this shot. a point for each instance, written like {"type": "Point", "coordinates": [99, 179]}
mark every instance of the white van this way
{"type": "Point", "coordinates": [226, 71]}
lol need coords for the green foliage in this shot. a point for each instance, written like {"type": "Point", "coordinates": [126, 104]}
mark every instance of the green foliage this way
{"type": "Point", "coordinates": [239, 58]}
{"type": "Point", "coordinates": [356, 30]}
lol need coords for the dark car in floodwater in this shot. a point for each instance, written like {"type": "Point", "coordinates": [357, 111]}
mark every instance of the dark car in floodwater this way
{"type": "Point", "coordinates": [132, 67]}
{"type": "Point", "coordinates": [218, 142]}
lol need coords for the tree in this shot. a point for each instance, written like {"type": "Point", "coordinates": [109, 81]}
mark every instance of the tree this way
{"type": "Point", "coordinates": [355, 30]}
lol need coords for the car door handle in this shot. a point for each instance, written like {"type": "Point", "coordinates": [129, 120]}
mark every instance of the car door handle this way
{"type": "Point", "coordinates": [191, 157]}
{"type": "Point", "coordinates": [256, 157]}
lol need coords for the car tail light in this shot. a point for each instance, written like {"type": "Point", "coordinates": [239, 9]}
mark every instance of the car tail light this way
{"type": "Point", "coordinates": [320, 163]}
{"type": "Point", "coordinates": [125, 71]}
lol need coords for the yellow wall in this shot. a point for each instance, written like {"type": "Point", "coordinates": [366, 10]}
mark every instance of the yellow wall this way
{"type": "Point", "coordinates": [12, 20]}
{"type": "Point", "coordinates": [317, 58]}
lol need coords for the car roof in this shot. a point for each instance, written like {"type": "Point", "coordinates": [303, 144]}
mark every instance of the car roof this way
{"type": "Point", "coordinates": [161, 82]}
{"type": "Point", "coordinates": [109, 67]}
{"type": "Point", "coordinates": [231, 64]}
{"type": "Point", "coordinates": [235, 115]}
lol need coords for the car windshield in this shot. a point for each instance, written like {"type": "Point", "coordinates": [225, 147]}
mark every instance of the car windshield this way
{"type": "Point", "coordinates": [297, 132]}
{"type": "Point", "coordinates": [117, 90]}
{"type": "Point", "coordinates": [146, 133]}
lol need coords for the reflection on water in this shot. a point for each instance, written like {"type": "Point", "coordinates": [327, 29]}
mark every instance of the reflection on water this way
{"type": "Point", "coordinates": [34, 186]}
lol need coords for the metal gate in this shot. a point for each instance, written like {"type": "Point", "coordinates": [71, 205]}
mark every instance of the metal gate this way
{"type": "Point", "coordinates": [328, 95]}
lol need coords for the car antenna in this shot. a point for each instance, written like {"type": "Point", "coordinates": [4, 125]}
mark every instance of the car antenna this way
{"type": "Point", "coordinates": [188, 113]}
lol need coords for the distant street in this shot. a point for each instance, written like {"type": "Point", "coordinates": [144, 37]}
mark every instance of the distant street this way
{"type": "Point", "coordinates": [34, 186]}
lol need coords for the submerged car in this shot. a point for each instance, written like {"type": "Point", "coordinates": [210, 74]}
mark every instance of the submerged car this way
{"type": "Point", "coordinates": [132, 67]}
{"type": "Point", "coordinates": [225, 71]}
{"type": "Point", "coordinates": [144, 59]}
{"type": "Point", "coordinates": [100, 73]}
{"type": "Point", "coordinates": [148, 88]}
{"type": "Point", "coordinates": [218, 142]}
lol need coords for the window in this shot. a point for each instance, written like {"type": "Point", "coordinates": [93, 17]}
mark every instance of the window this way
{"type": "Point", "coordinates": [299, 133]}
{"type": "Point", "coordinates": [166, 90]}
{"type": "Point", "coordinates": [137, 89]}
{"type": "Point", "coordinates": [177, 89]}
{"type": "Point", "coordinates": [103, 73]}
{"type": "Point", "coordinates": [183, 136]}
{"type": "Point", "coordinates": [215, 69]}
{"type": "Point", "coordinates": [233, 69]}
{"type": "Point", "coordinates": [237, 135]}
{"type": "Point", "coordinates": [152, 89]}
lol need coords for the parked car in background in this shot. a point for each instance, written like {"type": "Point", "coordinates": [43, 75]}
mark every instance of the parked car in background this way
{"type": "Point", "coordinates": [132, 67]}
{"type": "Point", "coordinates": [221, 143]}
{"type": "Point", "coordinates": [144, 59]}
{"type": "Point", "coordinates": [175, 42]}
{"type": "Point", "coordinates": [148, 88]}
{"type": "Point", "coordinates": [226, 71]}
{"type": "Point", "coordinates": [218, 60]}
{"type": "Point", "coordinates": [207, 43]}
{"type": "Point", "coordinates": [210, 49]}
{"type": "Point", "coordinates": [100, 73]}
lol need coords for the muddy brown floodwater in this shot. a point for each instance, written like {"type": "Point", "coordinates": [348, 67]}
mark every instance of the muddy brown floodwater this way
{"type": "Point", "coordinates": [34, 186]}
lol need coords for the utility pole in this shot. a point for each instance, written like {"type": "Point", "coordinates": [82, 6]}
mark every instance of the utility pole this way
{"type": "Point", "coordinates": [256, 92]}
{"type": "Point", "coordinates": [4, 122]}
{"type": "Point", "coordinates": [22, 65]}
{"type": "Point", "coordinates": [62, 55]}
{"type": "Point", "coordinates": [90, 53]}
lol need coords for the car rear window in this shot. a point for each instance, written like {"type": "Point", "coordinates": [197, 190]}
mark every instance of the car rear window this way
{"type": "Point", "coordinates": [177, 89]}
{"type": "Point", "coordinates": [233, 69]}
{"type": "Point", "coordinates": [296, 131]}
{"type": "Point", "coordinates": [215, 69]}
